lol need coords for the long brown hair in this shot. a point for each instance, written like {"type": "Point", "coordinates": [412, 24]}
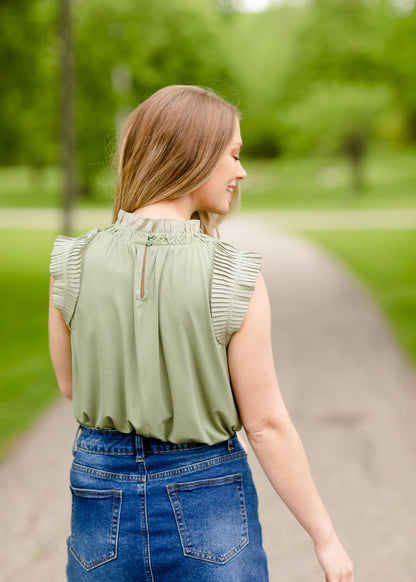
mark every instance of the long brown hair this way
{"type": "Point", "coordinates": [170, 145]}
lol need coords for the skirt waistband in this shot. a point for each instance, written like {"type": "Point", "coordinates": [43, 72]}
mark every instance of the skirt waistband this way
{"type": "Point", "coordinates": [113, 442]}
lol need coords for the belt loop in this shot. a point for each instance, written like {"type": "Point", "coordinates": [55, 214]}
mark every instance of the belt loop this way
{"type": "Point", "coordinates": [74, 448]}
{"type": "Point", "coordinates": [139, 447]}
{"type": "Point", "coordinates": [230, 444]}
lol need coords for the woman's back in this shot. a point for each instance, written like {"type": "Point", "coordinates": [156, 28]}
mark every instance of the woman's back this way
{"type": "Point", "coordinates": [151, 305]}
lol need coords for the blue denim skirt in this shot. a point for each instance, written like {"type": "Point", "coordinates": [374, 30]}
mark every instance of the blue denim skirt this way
{"type": "Point", "coordinates": [144, 510]}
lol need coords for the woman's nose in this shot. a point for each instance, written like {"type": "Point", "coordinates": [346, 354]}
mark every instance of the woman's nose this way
{"type": "Point", "coordinates": [241, 172]}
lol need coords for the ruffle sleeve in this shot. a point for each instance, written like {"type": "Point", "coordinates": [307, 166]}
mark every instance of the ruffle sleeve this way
{"type": "Point", "coordinates": [234, 277]}
{"type": "Point", "coordinates": [65, 268]}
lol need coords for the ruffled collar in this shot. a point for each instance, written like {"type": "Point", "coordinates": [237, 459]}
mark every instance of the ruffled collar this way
{"type": "Point", "coordinates": [156, 225]}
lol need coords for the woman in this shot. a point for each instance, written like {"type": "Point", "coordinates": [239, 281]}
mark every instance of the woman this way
{"type": "Point", "coordinates": [160, 334]}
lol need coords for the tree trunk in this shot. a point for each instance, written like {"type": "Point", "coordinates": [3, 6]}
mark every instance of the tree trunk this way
{"type": "Point", "coordinates": [67, 115]}
{"type": "Point", "coordinates": [355, 150]}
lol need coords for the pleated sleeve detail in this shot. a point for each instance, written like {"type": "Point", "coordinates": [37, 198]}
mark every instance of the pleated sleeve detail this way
{"type": "Point", "coordinates": [65, 268]}
{"type": "Point", "coordinates": [233, 280]}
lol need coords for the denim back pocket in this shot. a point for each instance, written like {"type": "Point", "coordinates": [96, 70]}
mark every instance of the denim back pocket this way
{"type": "Point", "coordinates": [211, 517]}
{"type": "Point", "coordinates": [95, 525]}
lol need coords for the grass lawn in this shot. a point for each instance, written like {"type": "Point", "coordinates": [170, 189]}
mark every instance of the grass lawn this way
{"type": "Point", "coordinates": [27, 382]}
{"type": "Point", "coordinates": [385, 261]}
{"type": "Point", "coordinates": [25, 187]}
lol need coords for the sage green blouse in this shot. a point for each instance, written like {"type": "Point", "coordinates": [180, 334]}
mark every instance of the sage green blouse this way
{"type": "Point", "coordinates": [151, 305]}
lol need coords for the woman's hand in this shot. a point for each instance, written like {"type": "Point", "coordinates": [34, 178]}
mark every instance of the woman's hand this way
{"type": "Point", "coordinates": [334, 560]}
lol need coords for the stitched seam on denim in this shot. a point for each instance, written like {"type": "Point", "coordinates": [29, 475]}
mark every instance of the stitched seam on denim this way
{"type": "Point", "coordinates": [197, 466]}
{"type": "Point", "coordinates": [145, 531]}
{"type": "Point", "coordinates": [243, 510]}
{"type": "Point", "coordinates": [177, 512]}
{"type": "Point", "coordinates": [172, 491]}
{"type": "Point", "coordinates": [100, 452]}
{"type": "Point", "coordinates": [217, 559]}
{"type": "Point", "coordinates": [115, 531]}
{"type": "Point", "coordinates": [177, 449]}
{"type": "Point", "coordinates": [141, 493]}
{"type": "Point", "coordinates": [113, 542]}
{"type": "Point", "coordinates": [151, 451]}
{"type": "Point", "coordinates": [191, 485]}
{"type": "Point", "coordinates": [151, 477]}
{"type": "Point", "coordinates": [106, 474]}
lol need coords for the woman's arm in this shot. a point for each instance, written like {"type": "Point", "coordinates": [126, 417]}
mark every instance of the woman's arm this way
{"type": "Point", "coordinates": [60, 347]}
{"type": "Point", "coordinates": [273, 437]}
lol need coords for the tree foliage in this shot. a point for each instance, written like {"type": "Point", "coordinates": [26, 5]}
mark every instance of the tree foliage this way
{"type": "Point", "coordinates": [328, 117]}
{"type": "Point", "coordinates": [306, 77]}
{"type": "Point", "coordinates": [28, 95]}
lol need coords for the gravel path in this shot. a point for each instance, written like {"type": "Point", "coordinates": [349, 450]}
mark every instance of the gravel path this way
{"type": "Point", "coordinates": [350, 393]}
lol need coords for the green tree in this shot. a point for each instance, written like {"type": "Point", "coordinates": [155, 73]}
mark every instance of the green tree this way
{"type": "Point", "coordinates": [338, 118]}
{"type": "Point", "coordinates": [338, 40]}
{"type": "Point", "coordinates": [29, 92]}
{"type": "Point", "coordinates": [400, 56]}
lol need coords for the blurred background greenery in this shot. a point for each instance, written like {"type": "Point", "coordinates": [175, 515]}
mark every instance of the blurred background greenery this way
{"type": "Point", "coordinates": [327, 89]}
